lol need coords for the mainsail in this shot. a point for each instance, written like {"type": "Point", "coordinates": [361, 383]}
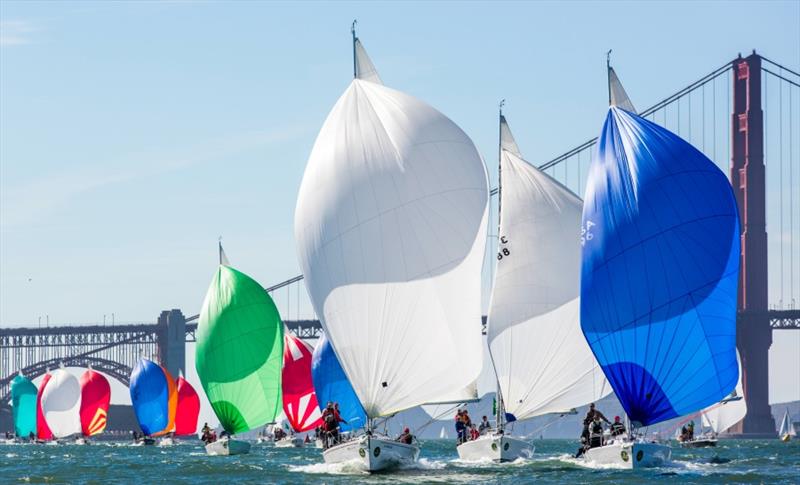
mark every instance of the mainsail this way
{"type": "Point", "coordinates": [331, 385]}
{"type": "Point", "coordinates": [660, 235]}
{"type": "Point", "coordinates": [786, 428]}
{"type": "Point", "coordinates": [42, 430]}
{"type": "Point", "coordinates": [239, 351]}
{"type": "Point", "coordinates": [95, 400]}
{"type": "Point", "coordinates": [188, 409]}
{"type": "Point", "coordinates": [299, 399]}
{"type": "Point", "coordinates": [154, 397]}
{"type": "Point", "coordinates": [61, 404]}
{"type": "Point", "coordinates": [390, 228]}
{"type": "Point", "coordinates": [542, 361]}
{"type": "Point", "coordinates": [23, 404]}
{"type": "Point", "coordinates": [721, 416]}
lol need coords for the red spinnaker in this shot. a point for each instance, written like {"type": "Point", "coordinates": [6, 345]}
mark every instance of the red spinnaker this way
{"type": "Point", "coordinates": [95, 399]}
{"type": "Point", "coordinates": [42, 430]}
{"type": "Point", "coordinates": [299, 398]}
{"type": "Point", "coordinates": [188, 409]}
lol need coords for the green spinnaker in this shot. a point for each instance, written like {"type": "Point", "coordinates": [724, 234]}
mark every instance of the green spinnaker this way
{"type": "Point", "coordinates": [240, 351]}
{"type": "Point", "coordinates": [23, 400]}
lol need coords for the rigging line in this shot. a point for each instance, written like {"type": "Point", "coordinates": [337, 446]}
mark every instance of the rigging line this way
{"type": "Point", "coordinates": [781, 77]}
{"type": "Point", "coordinates": [703, 111]}
{"type": "Point", "coordinates": [780, 158]}
{"type": "Point", "coordinates": [690, 117]}
{"type": "Point", "coordinates": [778, 65]}
{"type": "Point", "coordinates": [714, 122]}
{"type": "Point", "coordinates": [791, 203]}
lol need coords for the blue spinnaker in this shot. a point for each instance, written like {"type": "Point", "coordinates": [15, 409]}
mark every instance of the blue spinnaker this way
{"type": "Point", "coordinates": [150, 396]}
{"type": "Point", "coordinates": [660, 236]}
{"type": "Point", "coordinates": [23, 403]}
{"type": "Point", "coordinates": [331, 384]}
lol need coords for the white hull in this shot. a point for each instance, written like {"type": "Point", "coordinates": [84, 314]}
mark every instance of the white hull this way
{"type": "Point", "coordinates": [289, 442]}
{"type": "Point", "coordinates": [630, 455]}
{"type": "Point", "coordinates": [166, 441]}
{"type": "Point", "coordinates": [226, 447]}
{"type": "Point", "coordinates": [499, 448]}
{"type": "Point", "coordinates": [81, 441]}
{"type": "Point", "coordinates": [372, 454]}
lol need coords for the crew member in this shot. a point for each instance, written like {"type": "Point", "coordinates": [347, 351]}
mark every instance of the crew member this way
{"type": "Point", "coordinates": [617, 428]}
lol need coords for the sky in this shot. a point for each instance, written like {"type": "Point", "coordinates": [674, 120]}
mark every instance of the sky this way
{"type": "Point", "coordinates": [134, 134]}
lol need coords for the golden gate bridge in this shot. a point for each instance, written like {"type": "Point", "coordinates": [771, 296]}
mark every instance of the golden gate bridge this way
{"type": "Point", "coordinates": [744, 115]}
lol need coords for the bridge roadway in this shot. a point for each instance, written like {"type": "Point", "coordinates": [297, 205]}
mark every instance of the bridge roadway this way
{"type": "Point", "coordinates": [113, 350]}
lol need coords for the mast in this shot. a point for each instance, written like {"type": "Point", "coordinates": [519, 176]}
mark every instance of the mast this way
{"type": "Point", "coordinates": [499, 418]}
{"type": "Point", "coordinates": [608, 74]}
{"type": "Point", "coordinates": [353, 32]}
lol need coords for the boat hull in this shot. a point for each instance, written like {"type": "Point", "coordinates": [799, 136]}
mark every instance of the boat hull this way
{"type": "Point", "coordinates": [498, 448]}
{"type": "Point", "coordinates": [372, 454]}
{"type": "Point", "coordinates": [630, 455]}
{"type": "Point", "coordinates": [227, 447]}
{"type": "Point", "coordinates": [166, 441]}
{"type": "Point", "coordinates": [699, 443]}
{"type": "Point", "coordinates": [289, 442]}
{"type": "Point", "coordinates": [81, 441]}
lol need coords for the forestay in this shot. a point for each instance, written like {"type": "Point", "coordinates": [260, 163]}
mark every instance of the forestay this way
{"type": "Point", "coordinates": [61, 404]}
{"type": "Point", "coordinates": [542, 361]}
{"type": "Point", "coordinates": [660, 270]}
{"type": "Point", "coordinates": [390, 228]}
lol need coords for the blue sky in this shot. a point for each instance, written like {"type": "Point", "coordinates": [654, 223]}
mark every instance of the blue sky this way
{"type": "Point", "coordinates": [133, 135]}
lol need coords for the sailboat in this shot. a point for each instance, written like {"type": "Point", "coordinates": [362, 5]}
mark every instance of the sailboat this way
{"type": "Point", "coordinates": [443, 434]}
{"type": "Point", "coordinates": [332, 385]}
{"type": "Point", "coordinates": [787, 431]}
{"type": "Point", "coordinates": [61, 404]}
{"type": "Point", "coordinates": [188, 409]}
{"type": "Point", "coordinates": [238, 356]}
{"type": "Point", "coordinates": [541, 360]}
{"type": "Point", "coordinates": [43, 433]}
{"type": "Point", "coordinates": [299, 398]}
{"type": "Point", "coordinates": [660, 269]}
{"type": "Point", "coordinates": [23, 405]}
{"type": "Point", "coordinates": [390, 227]}
{"type": "Point", "coordinates": [154, 398]}
{"type": "Point", "coordinates": [718, 417]}
{"type": "Point", "coordinates": [95, 400]}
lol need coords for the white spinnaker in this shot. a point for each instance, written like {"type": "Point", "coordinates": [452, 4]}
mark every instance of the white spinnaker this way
{"type": "Point", "coordinates": [61, 404]}
{"type": "Point", "coordinates": [541, 357]}
{"type": "Point", "coordinates": [722, 416]}
{"type": "Point", "coordinates": [390, 227]}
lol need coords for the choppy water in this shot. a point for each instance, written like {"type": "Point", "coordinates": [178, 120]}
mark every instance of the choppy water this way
{"type": "Point", "coordinates": [733, 461]}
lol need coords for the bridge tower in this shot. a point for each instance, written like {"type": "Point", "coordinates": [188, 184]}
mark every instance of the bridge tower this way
{"type": "Point", "coordinates": [754, 335]}
{"type": "Point", "coordinates": [171, 331]}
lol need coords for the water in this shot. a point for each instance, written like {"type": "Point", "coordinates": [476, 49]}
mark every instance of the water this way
{"type": "Point", "coordinates": [733, 461]}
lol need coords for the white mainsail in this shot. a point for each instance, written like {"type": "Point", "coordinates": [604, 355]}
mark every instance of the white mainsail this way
{"type": "Point", "coordinates": [786, 426]}
{"type": "Point", "coordinates": [541, 357]}
{"type": "Point", "coordinates": [61, 404]}
{"type": "Point", "coordinates": [617, 93]}
{"type": "Point", "coordinates": [733, 409]}
{"type": "Point", "coordinates": [390, 227]}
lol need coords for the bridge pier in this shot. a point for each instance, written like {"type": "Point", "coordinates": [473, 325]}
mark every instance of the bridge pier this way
{"type": "Point", "coordinates": [748, 177]}
{"type": "Point", "coordinates": [171, 330]}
